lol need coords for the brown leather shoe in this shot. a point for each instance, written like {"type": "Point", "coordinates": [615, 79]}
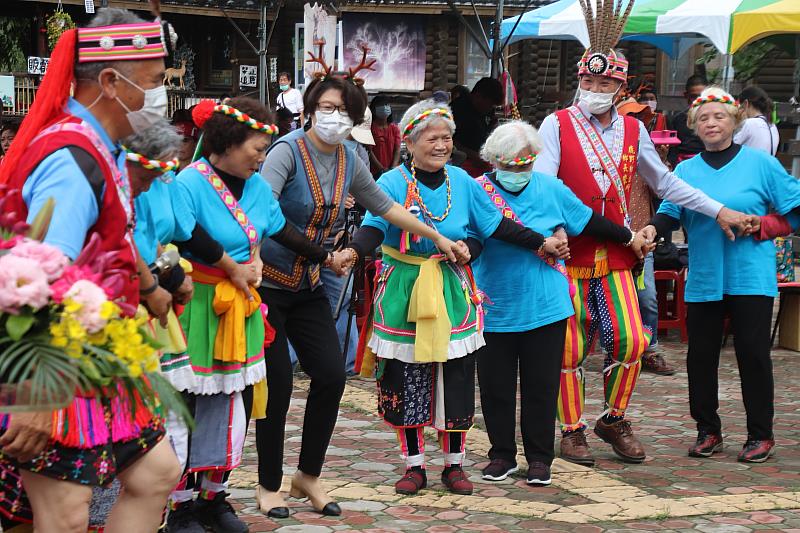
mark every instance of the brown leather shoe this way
{"type": "Point", "coordinates": [621, 438]}
{"type": "Point", "coordinates": [655, 363]}
{"type": "Point", "coordinates": [575, 449]}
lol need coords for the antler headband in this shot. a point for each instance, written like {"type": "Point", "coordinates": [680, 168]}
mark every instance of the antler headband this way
{"type": "Point", "coordinates": [327, 70]}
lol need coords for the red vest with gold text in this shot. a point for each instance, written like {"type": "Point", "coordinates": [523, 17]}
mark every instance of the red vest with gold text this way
{"type": "Point", "coordinates": [579, 170]}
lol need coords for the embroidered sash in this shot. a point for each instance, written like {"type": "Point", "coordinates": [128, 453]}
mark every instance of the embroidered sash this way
{"type": "Point", "coordinates": [507, 212]}
{"type": "Point", "coordinates": [599, 156]}
{"type": "Point", "coordinates": [230, 202]}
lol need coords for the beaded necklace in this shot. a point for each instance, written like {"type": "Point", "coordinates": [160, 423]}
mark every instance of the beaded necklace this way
{"type": "Point", "coordinates": [414, 185]}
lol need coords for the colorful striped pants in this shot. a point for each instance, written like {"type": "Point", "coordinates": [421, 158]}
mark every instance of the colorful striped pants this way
{"type": "Point", "coordinates": [608, 305]}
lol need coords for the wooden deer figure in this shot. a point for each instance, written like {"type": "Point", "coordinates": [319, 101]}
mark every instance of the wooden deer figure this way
{"type": "Point", "coordinates": [175, 73]}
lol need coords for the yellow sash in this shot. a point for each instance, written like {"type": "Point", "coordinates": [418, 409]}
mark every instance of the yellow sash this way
{"type": "Point", "coordinates": [232, 307]}
{"type": "Point", "coordinates": [427, 307]}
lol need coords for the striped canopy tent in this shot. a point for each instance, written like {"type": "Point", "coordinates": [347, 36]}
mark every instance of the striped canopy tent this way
{"type": "Point", "coordinates": [727, 24]}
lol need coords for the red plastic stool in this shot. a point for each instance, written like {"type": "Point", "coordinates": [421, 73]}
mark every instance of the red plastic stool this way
{"type": "Point", "coordinates": [671, 313]}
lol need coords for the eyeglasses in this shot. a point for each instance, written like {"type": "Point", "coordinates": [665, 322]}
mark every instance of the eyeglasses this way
{"type": "Point", "coordinates": [326, 108]}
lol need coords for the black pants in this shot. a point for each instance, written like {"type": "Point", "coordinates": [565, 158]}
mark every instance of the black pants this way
{"type": "Point", "coordinates": [751, 318]}
{"type": "Point", "coordinates": [538, 354]}
{"type": "Point", "coordinates": [304, 318]}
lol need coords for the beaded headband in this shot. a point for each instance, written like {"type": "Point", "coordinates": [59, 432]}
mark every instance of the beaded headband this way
{"type": "Point", "coordinates": [724, 99]}
{"type": "Point", "coordinates": [151, 164]}
{"type": "Point", "coordinates": [599, 64]}
{"type": "Point", "coordinates": [247, 120]}
{"type": "Point", "coordinates": [120, 42]}
{"type": "Point", "coordinates": [518, 161]}
{"type": "Point", "coordinates": [444, 113]}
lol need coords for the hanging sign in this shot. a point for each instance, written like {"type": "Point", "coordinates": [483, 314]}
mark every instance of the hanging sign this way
{"type": "Point", "coordinates": [37, 65]}
{"type": "Point", "coordinates": [248, 76]}
{"type": "Point", "coordinates": [89, 6]}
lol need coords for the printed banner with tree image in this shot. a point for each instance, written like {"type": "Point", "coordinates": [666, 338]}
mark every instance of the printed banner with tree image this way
{"type": "Point", "coordinates": [396, 41]}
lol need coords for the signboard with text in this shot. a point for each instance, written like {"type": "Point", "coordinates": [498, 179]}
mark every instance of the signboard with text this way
{"type": "Point", "coordinates": [248, 76]}
{"type": "Point", "coordinates": [37, 65]}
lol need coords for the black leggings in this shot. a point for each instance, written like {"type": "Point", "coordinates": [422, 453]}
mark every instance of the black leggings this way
{"type": "Point", "coordinates": [538, 354]}
{"type": "Point", "coordinates": [304, 317]}
{"type": "Point", "coordinates": [751, 318]}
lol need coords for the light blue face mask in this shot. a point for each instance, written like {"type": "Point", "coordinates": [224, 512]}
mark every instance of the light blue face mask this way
{"type": "Point", "coordinates": [513, 181]}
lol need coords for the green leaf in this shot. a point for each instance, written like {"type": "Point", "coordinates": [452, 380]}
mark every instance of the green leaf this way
{"type": "Point", "coordinates": [41, 223]}
{"type": "Point", "coordinates": [18, 325]}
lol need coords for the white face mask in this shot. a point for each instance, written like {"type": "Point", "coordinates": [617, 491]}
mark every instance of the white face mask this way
{"type": "Point", "coordinates": [153, 110]}
{"type": "Point", "coordinates": [596, 103]}
{"type": "Point", "coordinates": [333, 128]}
{"type": "Point", "coordinates": [653, 104]}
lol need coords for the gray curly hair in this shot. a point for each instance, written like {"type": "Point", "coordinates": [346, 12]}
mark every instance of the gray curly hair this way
{"type": "Point", "coordinates": [509, 139]}
{"type": "Point", "coordinates": [420, 107]}
{"type": "Point", "coordinates": [160, 141]}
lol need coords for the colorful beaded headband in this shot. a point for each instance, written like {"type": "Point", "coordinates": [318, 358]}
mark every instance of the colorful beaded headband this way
{"type": "Point", "coordinates": [724, 99]}
{"type": "Point", "coordinates": [151, 164]}
{"type": "Point", "coordinates": [444, 113]}
{"type": "Point", "coordinates": [599, 64]}
{"type": "Point", "coordinates": [247, 120]}
{"type": "Point", "coordinates": [122, 42]}
{"type": "Point", "coordinates": [519, 161]}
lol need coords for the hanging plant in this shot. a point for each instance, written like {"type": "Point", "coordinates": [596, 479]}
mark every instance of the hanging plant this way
{"type": "Point", "coordinates": [58, 23]}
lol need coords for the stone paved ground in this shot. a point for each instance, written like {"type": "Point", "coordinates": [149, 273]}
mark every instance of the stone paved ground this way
{"type": "Point", "coordinates": [669, 492]}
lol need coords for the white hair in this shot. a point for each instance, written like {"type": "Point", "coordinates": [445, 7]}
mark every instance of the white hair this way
{"type": "Point", "coordinates": [732, 110]}
{"type": "Point", "coordinates": [160, 141]}
{"type": "Point", "coordinates": [509, 139]}
{"type": "Point", "coordinates": [419, 108]}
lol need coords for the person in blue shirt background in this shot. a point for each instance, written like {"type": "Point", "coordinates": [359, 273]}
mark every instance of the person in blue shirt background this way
{"type": "Point", "coordinates": [530, 301]}
{"type": "Point", "coordinates": [729, 277]}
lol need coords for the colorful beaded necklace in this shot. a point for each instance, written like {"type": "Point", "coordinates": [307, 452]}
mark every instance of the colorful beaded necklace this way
{"type": "Point", "coordinates": [414, 186]}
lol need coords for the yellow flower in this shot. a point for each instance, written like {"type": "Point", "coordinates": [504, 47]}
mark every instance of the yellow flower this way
{"type": "Point", "coordinates": [71, 306]}
{"type": "Point", "coordinates": [108, 310]}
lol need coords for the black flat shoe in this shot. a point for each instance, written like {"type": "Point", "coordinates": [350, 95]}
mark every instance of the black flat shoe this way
{"type": "Point", "coordinates": [275, 512]}
{"type": "Point", "coordinates": [278, 512]}
{"type": "Point", "coordinates": [331, 509]}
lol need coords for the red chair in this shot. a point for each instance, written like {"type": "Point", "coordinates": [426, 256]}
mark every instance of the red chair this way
{"type": "Point", "coordinates": [671, 312]}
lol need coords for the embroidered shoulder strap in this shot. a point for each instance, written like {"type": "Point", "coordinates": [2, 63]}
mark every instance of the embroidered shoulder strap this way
{"type": "Point", "coordinates": [593, 144]}
{"type": "Point", "coordinates": [230, 202]}
{"type": "Point", "coordinates": [505, 209]}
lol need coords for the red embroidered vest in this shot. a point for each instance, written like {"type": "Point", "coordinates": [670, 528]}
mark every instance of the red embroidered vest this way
{"type": "Point", "coordinates": [112, 223]}
{"type": "Point", "coordinates": [575, 172]}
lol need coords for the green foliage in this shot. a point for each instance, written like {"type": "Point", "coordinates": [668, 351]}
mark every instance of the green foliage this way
{"type": "Point", "coordinates": [747, 62]}
{"type": "Point", "coordinates": [14, 34]}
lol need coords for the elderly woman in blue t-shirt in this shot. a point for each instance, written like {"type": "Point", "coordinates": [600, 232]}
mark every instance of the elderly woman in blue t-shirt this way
{"type": "Point", "coordinates": [729, 277]}
{"type": "Point", "coordinates": [530, 299]}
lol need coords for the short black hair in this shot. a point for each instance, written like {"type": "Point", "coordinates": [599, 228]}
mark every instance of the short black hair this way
{"type": "Point", "coordinates": [10, 126]}
{"type": "Point", "coordinates": [354, 96]}
{"type": "Point", "coordinates": [489, 88]}
{"type": "Point", "coordinates": [759, 99]}
{"type": "Point", "coordinates": [220, 132]}
{"type": "Point", "coordinates": [284, 73]}
{"type": "Point", "coordinates": [694, 80]}
{"type": "Point", "coordinates": [457, 91]}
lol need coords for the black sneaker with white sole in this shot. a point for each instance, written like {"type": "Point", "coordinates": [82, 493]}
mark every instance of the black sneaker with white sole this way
{"type": "Point", "coordinates": [498, 470]}
{"type": "Point", "coordinates": [538, 474]}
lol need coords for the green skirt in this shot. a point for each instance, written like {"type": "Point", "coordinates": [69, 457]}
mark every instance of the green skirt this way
{"type": "Point", "coordinates": [393, 336]}
{"type": "Point", "coordinates": [199, 322]}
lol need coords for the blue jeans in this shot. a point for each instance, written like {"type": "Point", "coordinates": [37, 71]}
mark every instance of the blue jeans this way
{"type": "Point", "coordinates": [333, 287]}
{"type": "Point", "coordinates": [648, 301]}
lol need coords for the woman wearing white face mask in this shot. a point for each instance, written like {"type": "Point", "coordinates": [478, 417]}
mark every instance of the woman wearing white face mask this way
{"type": "Point", "coordinates": [311, 173]}
{"type": "Point", "coordinates": [530, 293]}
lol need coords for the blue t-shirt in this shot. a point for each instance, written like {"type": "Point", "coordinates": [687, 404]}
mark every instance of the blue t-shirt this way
{"type": "Point", "coordinates": [155, 219]}
{"type": "Point", "coordinates": [196, 202]}
{"type": "Point", "coordinates": [472, 213]}
{"type": "Point", "coordinates": [751, 183]}
{"type": "Point", "coordinates": [58, 176]}
{"type": "Point", "coordinates": [525, 292]}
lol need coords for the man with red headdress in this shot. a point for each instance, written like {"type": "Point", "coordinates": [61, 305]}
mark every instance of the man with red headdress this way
{"type": "Point", "coordinates": [68, 149]}
{"type": "Point", "coordinates": [596, 152]}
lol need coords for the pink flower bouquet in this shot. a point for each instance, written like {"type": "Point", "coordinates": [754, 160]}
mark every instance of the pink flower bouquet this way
{"type": "Point", "coordinates": [61, 330]}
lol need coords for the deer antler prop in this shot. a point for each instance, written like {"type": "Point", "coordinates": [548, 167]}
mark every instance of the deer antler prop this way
{"type": "Point", "coordinates": [363, 65]}
{"type": "Point", "coordinates": [320, 60]}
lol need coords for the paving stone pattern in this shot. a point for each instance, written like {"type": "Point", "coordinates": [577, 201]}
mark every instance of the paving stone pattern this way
{"type": "Point", "coordinates": [669, 492]}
